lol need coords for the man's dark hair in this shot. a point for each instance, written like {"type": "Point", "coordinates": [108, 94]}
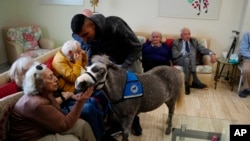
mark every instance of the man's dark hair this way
{"type": "Point", "coordinates": [77, 22]}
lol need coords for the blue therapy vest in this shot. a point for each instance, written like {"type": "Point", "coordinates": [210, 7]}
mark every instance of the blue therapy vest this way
{"type": "Point", "coordinates": [133, 87]}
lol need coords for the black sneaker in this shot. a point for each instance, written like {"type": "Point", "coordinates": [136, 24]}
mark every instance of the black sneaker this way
{"type": "Point", "coordinates": [114, 130]}
{"type": "Point", "coordinates": [107, 137]}
{"type": "Point", "coordinates": [198, 85]}
{"type": "Point", "coordinates": [244, 93]}
{"type": "Point", "coordinates": [187, 89]}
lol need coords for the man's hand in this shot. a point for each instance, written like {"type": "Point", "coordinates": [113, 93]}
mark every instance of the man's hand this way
{"type": "Point", "coordinates": [213, 58]}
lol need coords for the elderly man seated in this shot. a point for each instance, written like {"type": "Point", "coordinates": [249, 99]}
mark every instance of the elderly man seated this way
{"type": "Point", "coordinates": [184, 52]}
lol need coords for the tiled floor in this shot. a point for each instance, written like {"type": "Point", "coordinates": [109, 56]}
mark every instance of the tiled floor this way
{"type": "Point", "coordinates": [4, 67]}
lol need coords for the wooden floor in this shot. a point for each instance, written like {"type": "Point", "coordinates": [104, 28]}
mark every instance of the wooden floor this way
{"type": "Point", "coordinates": [220, 103]}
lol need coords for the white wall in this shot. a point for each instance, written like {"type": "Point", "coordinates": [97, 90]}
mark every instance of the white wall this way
{"type": "Point", "coordinates": [141, 15]}
{"type": "Point", "coordinates": [8, 14]}
{"type": "Point", "coordinates": [246, 18]}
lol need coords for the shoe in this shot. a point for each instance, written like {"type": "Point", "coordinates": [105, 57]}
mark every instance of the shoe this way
{"type": "Point", "coordinates": [136, 127]}
{"type": "Point", "coordinates": [198, 85]}
{"type": "Point", "coordinates": [244, 93]}
{"type": "Point", "coordinates": [107, 137]}
{"type": "Point", "coordinates": [114, 130]}
{"type": "Point", "coordinates": [187, 89]}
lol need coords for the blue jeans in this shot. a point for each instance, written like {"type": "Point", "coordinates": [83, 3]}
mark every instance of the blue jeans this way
{"type": "Point", "coordinates": [92, 114]}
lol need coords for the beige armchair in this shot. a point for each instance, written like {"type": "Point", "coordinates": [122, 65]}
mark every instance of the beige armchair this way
{"type": "Point", "coordinates": [25, 41]}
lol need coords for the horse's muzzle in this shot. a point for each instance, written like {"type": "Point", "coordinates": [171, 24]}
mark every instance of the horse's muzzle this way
{"type": "Point", "coordinates": [82, 86]}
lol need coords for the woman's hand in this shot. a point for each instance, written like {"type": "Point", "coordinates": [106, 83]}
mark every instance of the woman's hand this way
{"type": "Point", "coordinates": [67, 95]}
{"type": "Point", "coordinates": [78, 57]}
{"type": "Point", "coordinates": [83, 96]}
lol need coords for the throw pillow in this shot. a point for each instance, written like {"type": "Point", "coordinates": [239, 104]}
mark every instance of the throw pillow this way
{"type": "Point", "coordinates": [8, 89]}
{"type": "Point", "coordinates": [203, 42]}
{"type": "Point", "coordinates": [203, 69]}
{"type": "Point", "coordinates": [29, 42]}
{"type": "Point", "coordinates": [169, 42]}
{"type": "Point", "coordinates": [48, 63]}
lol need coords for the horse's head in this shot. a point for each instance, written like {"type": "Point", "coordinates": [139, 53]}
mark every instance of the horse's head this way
{"type": "Point", "coordinates": [95, 75]}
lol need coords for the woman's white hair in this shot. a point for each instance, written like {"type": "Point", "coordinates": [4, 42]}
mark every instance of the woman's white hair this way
{"type": "Point", "coordinates": [19, 68]}
{"type": "Point", "coordinates": [33, 80]}
{"type": "Point", "coordinates": [156, 32]}
{"type": "Point", "coordinates": [71, 45]}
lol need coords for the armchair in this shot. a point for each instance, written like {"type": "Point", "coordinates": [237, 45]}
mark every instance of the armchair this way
{"type": "Point", "coordinates": [25, 41]}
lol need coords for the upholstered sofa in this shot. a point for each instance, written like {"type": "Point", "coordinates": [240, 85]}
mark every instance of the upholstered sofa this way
{"type": "Point", "coordinates": [25, 41]}
{"type": "Point", "coordinates": [204, 69]}
{"type": "Point", "coordinates": [9, 94]}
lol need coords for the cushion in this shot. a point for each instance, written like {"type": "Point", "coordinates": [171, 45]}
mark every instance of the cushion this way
{"type": "Point", "coordinates": [199, 68]}
{"type": "Point", "coordinates": [26, 36]}
{"type": "Point", "coordinates": [203, 69]}
{"type": "Point", "coordinates": [169, 42]}
{"type": "Point", "coordinates": [203, 42]}
{"type": "Point", "coordinates": [6, 105]}
{"type": "Point", "coordinates": [35, 53]}
{"type": "Point", "coordinates": [48, 63]}
{"type": "Point", "coordinates": [8, 89]}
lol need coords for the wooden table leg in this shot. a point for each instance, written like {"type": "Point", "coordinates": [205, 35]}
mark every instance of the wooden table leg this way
{"type": "Point", "coordinates": [233, 79]}
{"type": "Point", "coordinates": [216, 77]}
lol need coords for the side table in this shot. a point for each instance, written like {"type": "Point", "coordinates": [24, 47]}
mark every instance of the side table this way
{"type": "Point", "coordinates": [223, 62]}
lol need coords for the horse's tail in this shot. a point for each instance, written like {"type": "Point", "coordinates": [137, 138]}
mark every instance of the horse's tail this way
{"type": "Point", "coordinates": [180, 98]}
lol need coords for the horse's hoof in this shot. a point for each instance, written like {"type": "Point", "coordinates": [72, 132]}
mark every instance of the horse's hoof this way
{"type": "Point", "coordinates": [136, 127]}
{"type": "Point", "coordinates": [167, 131]}
{"type": "Point", "coordinates": [137, 132]}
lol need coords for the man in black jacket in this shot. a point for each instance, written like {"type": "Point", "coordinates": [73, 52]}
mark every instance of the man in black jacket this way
{"type": "Point", "coordinates": [111, 36]}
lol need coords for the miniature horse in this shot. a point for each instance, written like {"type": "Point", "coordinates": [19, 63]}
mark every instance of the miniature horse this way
{"type": "Point", "coordinates": [160, 85]}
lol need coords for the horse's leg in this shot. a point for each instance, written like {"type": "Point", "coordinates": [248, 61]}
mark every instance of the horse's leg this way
{"type": "Point", "coordinates": [126, 123]}
{"type": "Point", "coordinates": [171, 108]}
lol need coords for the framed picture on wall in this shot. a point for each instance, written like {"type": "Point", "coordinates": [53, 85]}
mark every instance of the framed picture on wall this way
{"type": "Point", "coordinates": [200, 9]}
{"type": "Point", "coordinates": [62, 2]}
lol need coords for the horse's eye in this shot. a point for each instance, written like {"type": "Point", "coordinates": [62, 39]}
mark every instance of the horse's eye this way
{"type": "Point", "coordinates": [101, 71]}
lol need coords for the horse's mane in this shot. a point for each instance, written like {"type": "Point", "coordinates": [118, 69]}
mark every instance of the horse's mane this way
{"type": "Point", "coordinates": [101, 58]}
{"type": "Point", "coordinates": [105, 60]}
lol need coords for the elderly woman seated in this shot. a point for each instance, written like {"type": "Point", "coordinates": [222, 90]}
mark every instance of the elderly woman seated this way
{"type": "Point", "coordinates": [155, 53]}
{"type": "Point", "coordinates": [37, 115]}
